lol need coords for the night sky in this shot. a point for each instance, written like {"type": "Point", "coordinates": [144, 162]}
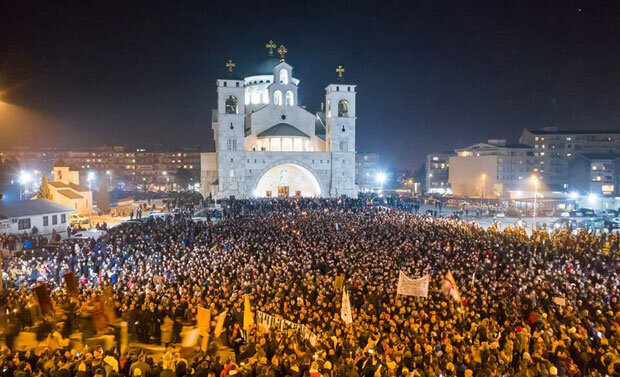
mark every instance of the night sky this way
{"type": "Point", "coordinates": [431, 75]}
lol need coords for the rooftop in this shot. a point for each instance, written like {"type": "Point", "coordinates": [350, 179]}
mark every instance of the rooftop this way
{"type": "Point", "coordinates": [70, 194]}
{"type": "Point", "coordinates": [22, 208]}
{"type": "Point", "coordinates": [577, 132]}
{"type": "Point", "coordinates": [600, 156]}
{"type": "Point", "coordinates": [282, 129]}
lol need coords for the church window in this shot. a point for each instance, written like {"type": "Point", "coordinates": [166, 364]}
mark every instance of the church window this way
{"type": "Point", "coordinates": [237, 85]}
{"type": "Point", "coordinates": [229, 144]}
{"type": "Point", "coordinates": [337, 88]}
{"type": "Point", "coordinates": [287, 144]}
{"type": "Point", "coordinates": [231, 105]}
{"type": "Point", "coordinates": [343, 130]}
{"type": "Point", "coordinates": [290, 101]}
{"type": "Point", "coordinates": [343, 108]}
{"type": "Point", "coordinates": [234, 144]}
{"type": "Point", "coordinates": [277, 98]}
{"type": "Point", "coordinates": [255, 97]}
{"type": "Point", "coordinates": [329, 108]}
{"type": "Point", "coordinates": [275, 144]}
{"type": "Point", "coordinates": [232, 172]}
{"type": "Point", "coordinates": [225, 83]}
{"type": "Point", "coordinates": [283, 76]}
{"type": "Point", "coordinates": [348, 89]}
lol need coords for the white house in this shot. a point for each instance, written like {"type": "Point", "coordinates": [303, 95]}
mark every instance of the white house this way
{"type": "Point", "coordinates": [23, 216]}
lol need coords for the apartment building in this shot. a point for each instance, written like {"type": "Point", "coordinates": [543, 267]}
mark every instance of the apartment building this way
{"type": "Point", "coordinates": [554, 149]}
{"type": "Point", "coordinates": [124, 168]}
{"type": "Point", "coordinates": [367, 166]}
{"type": "Point", "coordinates": [437, 172]}
{"type": "Point", "coordinates": [490, 169]}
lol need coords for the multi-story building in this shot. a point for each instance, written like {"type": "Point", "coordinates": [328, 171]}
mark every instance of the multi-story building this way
{"type": "Point", "coordinates": [554, 149]}
{"type": "Point", "coordinates": [437, 169]}
{"type": "Point", "coordinates": [123, 167]}
{"type": "Point", "coordinates": [367, 166]}
{"type": "Point", "coordinates": [491, 169]}
{"type": "Point", "coordinates": [595, 173]}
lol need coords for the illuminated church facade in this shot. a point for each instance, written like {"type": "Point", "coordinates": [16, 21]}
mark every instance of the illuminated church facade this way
{"type": "Point", "coordinates": [268, 145]}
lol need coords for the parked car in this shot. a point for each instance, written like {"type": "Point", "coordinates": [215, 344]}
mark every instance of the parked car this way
{"type": "Point", "coordinates": [76, 219]}
{"type": "Point", "coordinates": [88, 234]}
{"type": "Point", "coordinates": [154, 215]}
{"type": "Point", "coordinates": [587, 212]}
{"type": "Point", "coordinates": [615, 223]}
{"type": "Point", "coordinates": [609, 213]}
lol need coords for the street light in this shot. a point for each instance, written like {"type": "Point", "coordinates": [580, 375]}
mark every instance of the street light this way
{"type": "Point", "coordinates": [24, 178]}
{"type": "Point", "coordinates": [90, 178]}
{"type": "Point", "coordinates": [381, 177]}
{"type": "Point", "coordinates": [535, 181]}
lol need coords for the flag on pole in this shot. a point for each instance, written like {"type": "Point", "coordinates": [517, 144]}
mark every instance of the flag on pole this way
{"type": "Point", "coordinates": [453, 289]}
{"type": "Point", "coordinates": [219, 326]}
{"type": "Point", "coordinates": [345, 309]}
{"type": "Point", "coordinates": [248, 318]}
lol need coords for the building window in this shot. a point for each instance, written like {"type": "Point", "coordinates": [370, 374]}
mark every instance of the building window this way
{"type": "Point", "coordinates": [54, 219]}
{"type": "Point", "coordinates": [231, 105]}
{"type": "Point", "coordinates": [23, 224]}
{"type": "Point", "coordinates": [277, 98]}
{"type": "Point", "coordinates": [46, 220]}
{"type": "Point", "coordinates": [289, 100]}
{"type": "Point", "coordinates": [283, 76]}
{"type": "Point", "coordinates": [63, 218]}
{"type": "Point", "coordinates": [343, 108]}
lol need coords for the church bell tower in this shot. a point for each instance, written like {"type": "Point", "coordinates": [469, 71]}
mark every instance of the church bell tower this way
{"type": "Point", "coordinates": [229, 134]}
{"type": "Point", "coordinates": [340, 135]}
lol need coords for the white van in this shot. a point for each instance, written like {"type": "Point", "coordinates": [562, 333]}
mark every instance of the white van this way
{"type": "Point", "coordinates": [88, 234]}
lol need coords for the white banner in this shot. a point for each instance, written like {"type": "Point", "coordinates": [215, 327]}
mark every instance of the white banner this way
{"type": "Point", "coordinates": [345, 310]}
{"type": "Point", "coordinates": [412, 287]}
{"type": "Point", "coordinates": [269, 321]}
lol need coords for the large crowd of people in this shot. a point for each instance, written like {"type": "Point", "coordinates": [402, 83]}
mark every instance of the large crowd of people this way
{"type": "Point", "coordinates": [530, 305]}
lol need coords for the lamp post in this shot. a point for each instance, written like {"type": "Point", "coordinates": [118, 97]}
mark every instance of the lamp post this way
{"type": "Point", "coordinates": [90, 178]}
{"type": "Point", "coordinates": [381, 179]}
{"type": "Point", "coordinates": [24, 178]}
{"type": "Point", "coordinates": [535, 182]}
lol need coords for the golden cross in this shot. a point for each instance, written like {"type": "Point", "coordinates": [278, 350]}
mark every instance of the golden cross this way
{"type": "Point", "coordinates": [230, 65]}
{"type": "Point", "coordinates": [282, 51]}
{"type": "Point", "coordinates": [340, 71]}
{"type": "Point", "coordinates": [271, 46]}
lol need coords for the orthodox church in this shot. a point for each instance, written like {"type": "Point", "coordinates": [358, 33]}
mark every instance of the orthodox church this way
{"type": "Point", "coordinates": [268, 145]}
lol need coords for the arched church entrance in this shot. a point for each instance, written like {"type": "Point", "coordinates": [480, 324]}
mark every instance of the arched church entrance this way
{"type": "Point", "coordinates": [287, 180]}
